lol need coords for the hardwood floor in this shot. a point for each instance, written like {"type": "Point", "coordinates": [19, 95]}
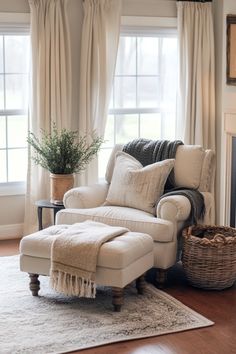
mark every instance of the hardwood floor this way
{"type": "Point", "coordinates": [218, 306]}
{"type": "Point", "coordinates": [9, 247]}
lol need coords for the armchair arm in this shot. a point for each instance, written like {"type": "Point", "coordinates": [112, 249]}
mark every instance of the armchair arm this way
{"type": "Point", "coordinates": [209, 217]}
{"type": "Point", "coordinates": [174, 208]}
{"type": "Point", "coordinates": [86, 196]}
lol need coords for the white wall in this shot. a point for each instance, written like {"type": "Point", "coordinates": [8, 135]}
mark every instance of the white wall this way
{"type": "Point", "coordinates": [160, 8]}
{"type": "Point", "coordinates": [14, 6]}
{"type": "Point", "coordinates": [11, 216]}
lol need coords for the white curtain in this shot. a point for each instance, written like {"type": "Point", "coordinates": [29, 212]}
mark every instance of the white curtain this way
{"type": "Point", "coordinates": [100, 37]}
{"type": "Point", "coordinates": [51, 88]}
{"type": "Point", "coordinates": [196, 120]}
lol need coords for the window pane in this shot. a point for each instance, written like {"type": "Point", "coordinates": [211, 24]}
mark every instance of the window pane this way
{"type": "Point", "coordinates": [145, 78]}
{"type": "Point", "coordinates": [17, 131]}
{"type": "Point", "coordinates": [17, 165]}
{"type": "Point", "coordinates": [169, 74]}
{"type": "Point", "coordinates": [16, 91]}
{"type": "Point", "coordinates": [14, 81]}
{"type": "Point", "coordinates": [1, 92]}
{"type": "Point", "coordinates": [109, 132]}
{"type": "Point", "coordinates": [148, 56]}
{"type": "Point", "coordinates": [2, 132]}
{"type": "Point", "coordinates": [103, 158]}
{"type": "Point", "coordinates": [148, 92]}
{"type": "Point", "coordinates": [169, 50]}
{"type": "Point", "coordinates": [125, 92]}
{"type": "Point", "coordinates": [169, 126]}
{"type": "Point", "coordinates": [126, 128]}
{"type": "Point", "coordinates": [1, 54]}
{"type": "Point", "coordinates": [150, 126]}
{"type": "Point", "coordinates": [16, 47]}
{"type": "Point", "coordinates": [126, 58]}
{"type": "Point", "coordinates": [3, 169]}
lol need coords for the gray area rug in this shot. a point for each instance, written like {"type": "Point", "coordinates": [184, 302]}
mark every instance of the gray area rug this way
{"type": "Point", "coordinates": [52, 323]}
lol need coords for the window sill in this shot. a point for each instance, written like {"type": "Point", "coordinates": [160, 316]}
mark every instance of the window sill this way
{"type": "Point", "coordinates": [12, 188]}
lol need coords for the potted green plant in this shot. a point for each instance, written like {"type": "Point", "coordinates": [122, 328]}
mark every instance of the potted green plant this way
{"type": "Point", "coordinates": [63, 153]}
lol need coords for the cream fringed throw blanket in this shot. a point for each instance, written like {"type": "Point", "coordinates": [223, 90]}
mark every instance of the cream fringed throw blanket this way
{"type": "Point", "coordinates": [74, 257]}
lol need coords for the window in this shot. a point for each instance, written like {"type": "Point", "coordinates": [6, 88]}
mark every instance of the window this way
{"type": "Point", "coordinates": [143, 102]}
{"type": "Point", "coordinates": [14, 84]}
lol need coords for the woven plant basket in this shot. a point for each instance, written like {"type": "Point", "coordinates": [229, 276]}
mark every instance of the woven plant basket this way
{"type": "Point", "coordinates": [209, 256]}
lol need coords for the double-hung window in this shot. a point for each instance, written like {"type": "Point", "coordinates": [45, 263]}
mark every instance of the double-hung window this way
{"type": "Point", "coordinates": [14, 93]}
{"type": "Point", "coordinates": [143, 101]}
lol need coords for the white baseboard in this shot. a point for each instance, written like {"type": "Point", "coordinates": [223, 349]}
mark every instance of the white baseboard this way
{"type": "Point", "coordinates": [11, 231]}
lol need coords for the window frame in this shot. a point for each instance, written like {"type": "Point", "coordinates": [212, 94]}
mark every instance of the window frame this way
{"type": "Point", "coordinates": [14, 24]}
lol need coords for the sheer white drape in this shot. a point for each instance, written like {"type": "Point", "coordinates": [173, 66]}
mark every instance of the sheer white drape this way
{"type": "Point", "coordinates": [196, 120]}
{"type": "Point", "coordinates": [51, 88]}
{"type": "Point", "coordinates": [100, 37]}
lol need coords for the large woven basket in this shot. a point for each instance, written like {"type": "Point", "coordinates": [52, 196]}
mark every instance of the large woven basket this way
{"type": "Point", "coordinates": [209, 256]}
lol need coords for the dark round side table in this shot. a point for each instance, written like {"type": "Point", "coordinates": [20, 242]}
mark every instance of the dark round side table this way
{"type": "Point", "coordinates": [48, 205]}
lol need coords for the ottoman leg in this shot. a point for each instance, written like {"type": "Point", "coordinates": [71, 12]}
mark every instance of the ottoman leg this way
{"type": "Point", "coordinates": [140, 284]}
{"type": "Point", "coordinates": [117, 298]}
{"type": "Point", "coordinates": [34, 284]}
{"type": "Point", "coordinates": [161, 278]}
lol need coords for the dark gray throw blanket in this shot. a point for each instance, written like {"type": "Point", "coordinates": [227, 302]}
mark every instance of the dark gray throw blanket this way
{"type": "Point", "coordinates": [151, 151]}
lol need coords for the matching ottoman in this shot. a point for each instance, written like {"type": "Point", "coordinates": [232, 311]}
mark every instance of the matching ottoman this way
{"type": "Point", "coordinates": [120, 261]}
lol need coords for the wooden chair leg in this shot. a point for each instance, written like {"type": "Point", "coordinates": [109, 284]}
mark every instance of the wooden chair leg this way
{"type": "Point", "coordinates": [140, 284]}
{"type": "Point", "coordinates": [34, 284]}
{"type": "Point", "coordinates": [161, 278]}
{"type": "Point", "coordinates": [117, 298]}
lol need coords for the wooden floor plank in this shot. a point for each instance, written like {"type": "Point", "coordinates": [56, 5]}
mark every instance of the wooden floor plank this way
{"type": "Point", "coordinates": [9, 247]}
{"type": "Point", "coordinates": [218, 306]}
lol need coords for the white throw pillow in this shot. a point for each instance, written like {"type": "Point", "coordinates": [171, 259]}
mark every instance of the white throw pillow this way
{"type": "Point", "coordinates": [135, 186]}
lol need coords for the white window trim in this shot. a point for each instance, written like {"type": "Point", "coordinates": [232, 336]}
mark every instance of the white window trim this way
{"type": "Point", "coordinates": [143, 21]}
{"type": "Point", "coordinates": [151, 26]}
{"type": "Point", "coordinates": [12, 188]}
{"type": "Point", "coordinates": [12, 23]}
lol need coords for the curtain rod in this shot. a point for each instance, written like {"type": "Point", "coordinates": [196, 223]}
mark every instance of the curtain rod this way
{"type": "Point", "coordinates": [195, 0]}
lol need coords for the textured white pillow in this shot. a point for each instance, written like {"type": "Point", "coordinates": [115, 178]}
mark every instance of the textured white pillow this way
{"type": "Point", "coordinates": [135, 186]}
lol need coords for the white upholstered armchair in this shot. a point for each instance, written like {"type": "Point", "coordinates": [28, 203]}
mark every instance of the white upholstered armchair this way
{"type": "Point", "coordinates": [193, 168]}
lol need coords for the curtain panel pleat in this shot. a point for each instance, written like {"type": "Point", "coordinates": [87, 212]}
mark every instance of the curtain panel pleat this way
{"type": "Point", "coordinates": [51, 88]}
{"type": "Point", "coordinates": [100, 38]}
{"type": "Point", "coordinates": [196, 101]}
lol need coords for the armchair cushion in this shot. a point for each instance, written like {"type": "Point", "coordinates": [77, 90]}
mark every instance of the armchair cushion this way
{"type": "Point", "coordinates": [188, 166]}
{"type": "Point", "coordinates": [135, 186]}
{"type": "Point", "coordinates": [135, 220]}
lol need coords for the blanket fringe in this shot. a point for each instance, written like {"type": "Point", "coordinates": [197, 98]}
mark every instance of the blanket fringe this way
{"type": "Point", "coordinates": [72, 285]}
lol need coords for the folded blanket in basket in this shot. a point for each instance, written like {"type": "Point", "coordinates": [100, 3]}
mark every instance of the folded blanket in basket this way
{"type": "Point", "coordinates": [74, 257]}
